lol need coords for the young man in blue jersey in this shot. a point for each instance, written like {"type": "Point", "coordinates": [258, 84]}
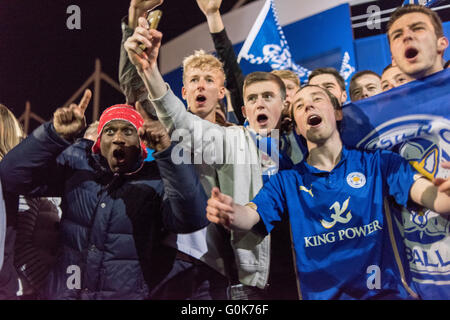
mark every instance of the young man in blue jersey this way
{"type": "Point", "coordinates": [344, 243]}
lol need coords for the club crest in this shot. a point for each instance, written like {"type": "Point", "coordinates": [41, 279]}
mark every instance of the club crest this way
{"type": "Point", "coordinates": [356, 180]}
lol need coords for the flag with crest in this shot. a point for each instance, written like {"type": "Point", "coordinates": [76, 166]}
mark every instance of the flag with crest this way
{"type": "Point", "coordinates": [266, 43]}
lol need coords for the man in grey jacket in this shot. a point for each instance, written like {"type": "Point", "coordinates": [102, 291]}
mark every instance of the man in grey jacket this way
{"type": "Point", "coordinates": [241, 156]}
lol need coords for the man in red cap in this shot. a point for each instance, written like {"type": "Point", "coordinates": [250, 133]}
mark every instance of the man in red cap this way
{"type": "Point", "coordinates": [115, 205]}
{"type": "Point", "coordinates": [120, 155]}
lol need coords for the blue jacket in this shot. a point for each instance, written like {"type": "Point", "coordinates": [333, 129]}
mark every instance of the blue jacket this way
{"type": "Point", "coordinates": [112, 225]}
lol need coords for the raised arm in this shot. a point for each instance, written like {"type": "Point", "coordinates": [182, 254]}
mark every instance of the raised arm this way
{"type": "Point", "coordinates": [225, 53]}
{"type": "Point", "coordinates": [146, 62]}
{"type": "Point", "coordinates": [222, 210]}
{"type": "Point", "coordinates": [169, 108]}
{"type": "Point", "coordinates": [434, 195]}
{"type": "Point", "coordinates": [211, 10]}
{"type": "Point", "coordinates": [184, 201]}
{"type": "Point", "coordinates": [130, 82]}
{"type": "Point", "coordinates": [70, 121]}
{"type": "Point", "coordinates": [31, 167]}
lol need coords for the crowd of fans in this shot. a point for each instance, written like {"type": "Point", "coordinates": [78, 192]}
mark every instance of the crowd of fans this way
{"type": "Point", "coordinates": [248, 199]}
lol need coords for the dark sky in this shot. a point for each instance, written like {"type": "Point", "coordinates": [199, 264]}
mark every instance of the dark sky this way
{"type": "Point", "coordinates": [42, 61]}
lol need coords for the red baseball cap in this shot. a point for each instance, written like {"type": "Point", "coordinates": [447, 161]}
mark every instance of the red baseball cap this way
{"type": "Point", "coordinates": [120, 112]}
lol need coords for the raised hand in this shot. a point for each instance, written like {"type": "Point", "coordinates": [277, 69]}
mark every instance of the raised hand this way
{"type": "Point", "coordinates": [69, 121]}
{"type": "Point", "coordinates": [138, 8]}
{"type": "Point", "coordinates": [220, 208]}
{"type": "Point", "coordinates": [152, 132]}
{"type": "Point", "coordinates": [151, 39]}
{"type": "Point", "coordinates": [211, 10]}
{"type": "Point", "coordinates": [209, 7]}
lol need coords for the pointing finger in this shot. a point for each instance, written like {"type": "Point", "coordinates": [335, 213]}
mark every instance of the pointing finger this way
{"type": "Point", "coordinates": [85, 100]}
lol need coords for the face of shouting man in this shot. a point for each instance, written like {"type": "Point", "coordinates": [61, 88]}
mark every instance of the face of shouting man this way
{"type": "Point", "coordinates": [120, 145]}
{"type": "Point", "coordinates": [203, 84]}
{"type": "Point", "coordinates": [264, 97]}
{"type": "Point", "coordinates": [202, 90]}
{"type": "Point", "coordinates": [315, 116]}
{"type": "Point", "coordinates": [416, 48]}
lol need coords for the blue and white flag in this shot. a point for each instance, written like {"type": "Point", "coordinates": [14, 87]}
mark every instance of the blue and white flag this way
{"type": "Point", "coordinates": [414, 121]}
{"type": "Point", "coordinates": [266, 43]}
{"type": "Point", "coordinates": [426, 3]}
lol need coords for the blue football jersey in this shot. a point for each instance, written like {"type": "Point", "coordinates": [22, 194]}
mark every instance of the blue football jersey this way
{"type": "Point", "coordinates": [345, 244]}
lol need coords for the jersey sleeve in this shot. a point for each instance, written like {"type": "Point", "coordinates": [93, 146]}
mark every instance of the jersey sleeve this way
{"type": "Point", "coordinates": [399, 175]}
{"type": "Point", "coordinates": [271, 202]}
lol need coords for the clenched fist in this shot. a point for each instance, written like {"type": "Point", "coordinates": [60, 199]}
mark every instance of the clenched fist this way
{"type": "Point", "coordinates": [152, 132]}
{"type": "Point", "coordinates": [151, 39]}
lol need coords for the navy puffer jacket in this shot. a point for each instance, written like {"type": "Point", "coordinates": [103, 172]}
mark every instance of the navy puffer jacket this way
{"type": "Point", "coordinates": [112, 225]}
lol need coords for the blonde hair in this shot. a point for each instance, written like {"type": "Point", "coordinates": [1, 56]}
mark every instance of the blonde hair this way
{"type": "Point", "coordinates": [287, 75]}
{"type": "Point", "coordinates": [202, 60]}
{"type": "Point", "coordinates": [11, 132]}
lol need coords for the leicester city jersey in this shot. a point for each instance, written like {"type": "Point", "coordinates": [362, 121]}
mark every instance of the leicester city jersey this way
{"type": "Point", "coordinates": [344, 240]}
